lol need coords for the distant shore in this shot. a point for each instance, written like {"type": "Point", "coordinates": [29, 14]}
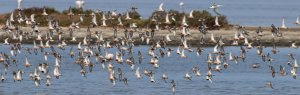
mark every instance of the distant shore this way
{"type": "Point", "coordinates": [289, 35]}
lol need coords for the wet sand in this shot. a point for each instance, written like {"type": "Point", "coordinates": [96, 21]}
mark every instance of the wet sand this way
{"type": "Point", "coordinates": [289, 35]}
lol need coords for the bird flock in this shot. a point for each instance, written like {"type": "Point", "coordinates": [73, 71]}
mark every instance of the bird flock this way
{"type": "Point", "coordinates": [96, 50]}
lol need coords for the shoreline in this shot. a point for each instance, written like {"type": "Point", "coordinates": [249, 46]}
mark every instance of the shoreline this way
{"type": "Point", "coordinates": [289, 35]}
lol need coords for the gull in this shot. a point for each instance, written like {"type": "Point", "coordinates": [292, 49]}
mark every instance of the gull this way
{"type": "Point", "coordinates": [297, 20]}
{"type": "Point", "coordinates": [47, 44]}
{"type": "Point", "coordinates": [282, 71]}
{"type": "Point", "coordinates": [152, 78]}
{"type": "Point", "coordinates": [112, 77]}
{"type": "Point", "coordinates": [184, 21]}
{"type": "Point", "coordinates": [2, 78]}
{"type": "Point", "coordinates": [295, 64]}
{"type": "Point", "coordinates": [137, 73]}
{"type": "Point", "coordinates": [181, 4]}
{"type": "Point", "coordinates": [56, 72]}
{"type": "Point", "coordinates": [127, 16]}
{"type": "Point", "coordinates": [70, 12]}
{"type": "Point", "coordinates": [209, 76]}
{"type": "Point", "coordinates": [294, 45]}
{"type": "Point", "coordinates": [133, 25]}
{"type": "Point", "coordinates": [212, 38]}
{"type": "Point", "coordinates": [215, 6]}
{"type": "Point", "coordinates": [79, 3]}
{"type": "Point", "coordinates": [270, 85]}
{"type": "Point", "coordinates": [209, 58]}
{"type": "Point", "coordinates": [160, 8]}
{"type": "Point", "coordinates": [44, 12]}
{"type": "Point", "coordinates": [94, 20]}
{"type": "Point", "coordinates": [217, 21]}
{"type": "Point", "coordinates": [216, 49]}
{"type": "Point", "coordinates": [83, 72]}
{"type": "Point", "coordinates": [19, 4]}
{"type": "Point", "coordinates": [39, 38]}
{"type": "Point", "coordinates": [218, 68]}
{"type": "Point", "coordinates": [173, 86]}
{"type": "Point", "coordinates": [50, 25]}
{"type": "Point", "coordinates": [32, 17]}
{"type": "Point", "coordinates": [11, 19]}
{"type": "Point", "coordinates": [73, 39]}
{"type": "Point", "coordinates": [164, 77]}
{"type": "Point", "coordinates": [81, 18]}
{"type": "Point", "coordinates": [6, 41]}
{"type": "Point", "coordinates": [108, 56]}
{"type": "Point", "coordinates": [167, 37]}
{"type": "Point", "coordinates": [191, 14]}
{"type": "Point", "coordinates": [120, 21]}
{"type": "Point", "coordinates": [27, 64]}
{"type": "Point", "coordinates": [294, 72]}
{"type": "Point", "coordinates": [104, 23]}
{"type": "Point", "coordinates": [217, 60]}
{"type": "Point", "coordinates": [182, 54]}
{"type": "Point", "coordinates": [114, 13]}
{"type": "Point", "coordinates": [167, 19]}
{"type": "Point", "coordinates": [48, 83]}
{"type": "Point", "coordinates": [187, 76]}
{"type": "Point", "coordinates": [103, 16]}
{"type": "Point", "coordinates": [283, 26]}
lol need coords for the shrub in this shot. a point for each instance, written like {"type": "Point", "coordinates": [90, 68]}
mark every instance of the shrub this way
{"type": "Point", "coordinates": [65, 20]}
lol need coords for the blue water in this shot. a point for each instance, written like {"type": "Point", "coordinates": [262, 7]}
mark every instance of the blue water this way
{"type": "Point", "coordinates": [238, 79]}
{"type": "Point", "coordinates": [243, 12]}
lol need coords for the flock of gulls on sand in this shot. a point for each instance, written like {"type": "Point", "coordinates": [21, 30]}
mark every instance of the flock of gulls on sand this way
{"type": "Point", "coordinates": [217, 60]}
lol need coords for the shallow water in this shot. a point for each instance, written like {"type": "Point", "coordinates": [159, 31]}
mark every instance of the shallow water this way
{"type": "Point", "coordinates": [243, 12]}
{"type": "Point", "coordinates": [238, 79]}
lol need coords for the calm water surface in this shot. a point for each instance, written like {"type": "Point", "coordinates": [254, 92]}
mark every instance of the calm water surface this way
{"type": "Point", "coordinates": [243, 12]}
{"type": "Point", "coordinates": [238, 79]}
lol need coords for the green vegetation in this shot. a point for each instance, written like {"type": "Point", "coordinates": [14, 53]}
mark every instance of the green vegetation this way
{"type": "Point", "coordinates": [65, 20]}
